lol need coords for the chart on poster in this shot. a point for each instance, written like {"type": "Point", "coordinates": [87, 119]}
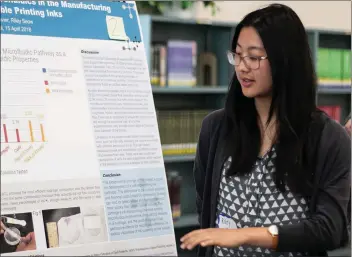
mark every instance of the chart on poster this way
{"type": "Point", "coordinates": [82, 171]}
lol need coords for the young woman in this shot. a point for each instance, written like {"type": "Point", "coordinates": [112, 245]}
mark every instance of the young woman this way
{"type": "Point", "coordinates": [272, 172]}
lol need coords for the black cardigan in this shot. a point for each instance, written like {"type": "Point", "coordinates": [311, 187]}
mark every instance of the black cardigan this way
{"type": "Point", "coordinates": [326, 229]}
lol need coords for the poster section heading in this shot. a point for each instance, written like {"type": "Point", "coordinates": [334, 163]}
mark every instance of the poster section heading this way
{"type": "Point", "coordinates": [101, 20]}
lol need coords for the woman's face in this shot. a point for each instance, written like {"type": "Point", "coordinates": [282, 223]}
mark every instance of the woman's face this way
{"type": "Point", "coordinates": [255, 77]}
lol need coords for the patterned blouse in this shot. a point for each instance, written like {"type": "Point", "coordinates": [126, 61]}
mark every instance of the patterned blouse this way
{"type": "Point", "coordinates": [253, 200]}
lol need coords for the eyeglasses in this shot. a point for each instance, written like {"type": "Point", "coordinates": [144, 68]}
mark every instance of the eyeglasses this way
{"type": "Point", "coordinates": [251, 62]}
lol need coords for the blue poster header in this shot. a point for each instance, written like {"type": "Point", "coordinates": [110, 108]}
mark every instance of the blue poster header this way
{"type": "Point", "coordinates": [103, 20]}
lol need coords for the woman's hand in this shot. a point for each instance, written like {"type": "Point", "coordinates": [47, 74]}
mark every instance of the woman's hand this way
{"type": "Point", "coordinates": [2, 230]}
{"type": "Point", "coordinates": [27, 243]}
{"type": "Point", "coordinates": [228, 238]}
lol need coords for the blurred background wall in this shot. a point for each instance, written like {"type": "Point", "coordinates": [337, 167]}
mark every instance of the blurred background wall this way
{"type": "Point", "coordinates": [330, 15]}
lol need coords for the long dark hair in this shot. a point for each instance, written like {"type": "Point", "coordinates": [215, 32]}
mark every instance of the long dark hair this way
{"type": "Point", "coordinates": [293, 95]}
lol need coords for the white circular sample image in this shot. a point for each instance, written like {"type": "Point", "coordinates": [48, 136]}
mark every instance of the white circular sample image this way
{"type": "Point", "coordinates": [12, 236]}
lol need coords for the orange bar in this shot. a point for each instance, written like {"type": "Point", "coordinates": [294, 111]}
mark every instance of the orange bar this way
{"type": "Point", "coordinates": [42, 131]}
{"type": "Point", "coordinates": [31, 130]}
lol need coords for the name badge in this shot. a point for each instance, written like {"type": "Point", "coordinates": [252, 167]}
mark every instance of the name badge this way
{"type": "Point", "coordinates": [225, 221]}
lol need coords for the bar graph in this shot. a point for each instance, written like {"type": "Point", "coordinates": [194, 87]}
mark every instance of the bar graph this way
{"type": "Point", "coordinates": [28, 128]}
{"type": "Point", "coordinates": [22, 106]}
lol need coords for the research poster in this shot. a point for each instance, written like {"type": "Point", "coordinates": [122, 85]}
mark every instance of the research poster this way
{"type": "Point", "coordinates": [82, 172]}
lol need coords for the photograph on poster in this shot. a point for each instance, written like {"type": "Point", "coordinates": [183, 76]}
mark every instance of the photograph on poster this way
{"type": "Point", "coordinates": [17, 233]}
{"type": "Point", "coordinates": [73, 226]}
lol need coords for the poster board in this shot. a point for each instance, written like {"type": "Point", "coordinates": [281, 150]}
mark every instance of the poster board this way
{"type": "Point", "coordinates": [82, 171]}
